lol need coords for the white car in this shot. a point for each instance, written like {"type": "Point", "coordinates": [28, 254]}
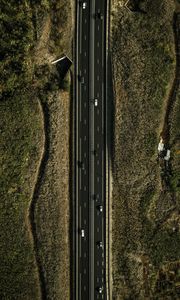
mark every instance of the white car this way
{"type": "Point", "coordinates": [96, 102]}
{"type": "Point", "coordinates": [82, 233]}
{"type": "Point", "coordinates": [84, 5]}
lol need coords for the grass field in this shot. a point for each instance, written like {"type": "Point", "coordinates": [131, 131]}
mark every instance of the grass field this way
{"type": "Point", "coordinates": [33, 34]}
{"type": "Point", "coordinates": [20, 151]}
{"type": "Point", "coordinates": [144, 240]}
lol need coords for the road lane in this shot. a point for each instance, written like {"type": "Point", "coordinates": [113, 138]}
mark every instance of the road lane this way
{"type": "Point", "coordinates": [90, 153]}
{"type": "Point", "coordinates": [99, 119]}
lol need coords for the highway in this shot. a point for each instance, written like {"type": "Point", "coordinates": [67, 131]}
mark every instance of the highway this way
{"type": "Point", "coordinates": [90, 150]}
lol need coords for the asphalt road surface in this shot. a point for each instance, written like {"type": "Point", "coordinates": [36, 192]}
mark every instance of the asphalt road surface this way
{"type": "Point", "coordinates": [90, 151]}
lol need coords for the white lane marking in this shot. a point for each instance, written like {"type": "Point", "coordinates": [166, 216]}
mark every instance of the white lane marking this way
{"type": "Point", "coordinates": [84, 271]}
{"type": "Point", "coordinates": [84, 221]}
{"type": "Point", "coordinates": [85, 104]}
{"type": "Point", "coordinates": [98, 111]}
{"type": "Point", "coordinates": [84, 254]}
{"type": "Point", "coordinates": [84, 172]}
{"type": "Point", "coordinates": [98, 146]}
{"type": "Point", "coordinates": [80, 148]}
{"type": "Point", "coordinates": [85, 54]}
{"type": "Point", "coordinates": [98, 27]}
{"type": "Point", "coordinates": [98, 128]}
{"type": "Point", "coordinates": [85, 138]}
{"type": "Point", "coordinates": [98, 162]}
{"type": "Point", "coordinates": [97, 279]}
{"type": "Point", "coordinates": [98, 263]}
{"type": "Point", "coordinates": [98, 44]}
{"type": "Point", "coordinates": [85, 37]}
{"type": "Point", "coordinates": [85, 204]}
{"type": "Point", "coordinates": [84, 288]}
{"type": "Point", "coordinates": [85, 122]}
{"type": "Point", "coordinates": [80, 281]}
{"type": "Point", "coordinates": [97, 229]}
{"type": "Point", "coordinates": [85, 21]}
{"type": "Point", "coordinates": [98, 95]}
{"type": "Point", "coordinates": [85, 87]}
{"type": "Point", "coordinates": [80, 34]}
{"type": "Point", "coordinates": [80, 227]}
{"type": "Point", "coordinates": [98, 61]}
{"type": "Point", "coordinates": [84, 71]}
{"type": "Point", "coordinates": [98, 179]}
{"type": "Point", "coordinates": [85, 188]}
{"type": "Point", "coordinates": [98, 77]}
{"type": "Point", "coordinates": [102, 107]}
{"type": "Point", "coordinates": [80, 179]}
{"type": "Point", "coordinates": [80, 102]}
{"type": "Point", "coordinates": [85, 154]}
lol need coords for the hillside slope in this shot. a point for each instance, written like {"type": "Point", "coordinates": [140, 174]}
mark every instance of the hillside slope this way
{"type": "Point", "coordinates": [145, 214]}
{"type": "Point", "coordinates": [34, 124]}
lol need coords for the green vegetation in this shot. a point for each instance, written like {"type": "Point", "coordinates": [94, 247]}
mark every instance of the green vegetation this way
{"type": "Point", "coordinates": [143, 57]}
{"type": "Point", "coordinates": [28, 44]}
{"type": "Point", "coordinates": [175, 141]}
{"type": "Point", "coordinates": [16, 42]}
{"type": "Point", "coordinates": [20, 146]}
{"type": "Point", "coordinates": [21, 131]}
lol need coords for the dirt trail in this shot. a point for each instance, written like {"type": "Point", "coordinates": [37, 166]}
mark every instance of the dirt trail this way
{"type": "Point", "coordinates": [173, 92]}
{"type": "Point", "coordinates": [166, 166]}
{"type": "Point", "coordinates": [42, 165]}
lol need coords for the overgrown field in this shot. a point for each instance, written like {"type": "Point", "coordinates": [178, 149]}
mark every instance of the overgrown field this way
{"type": "Point", "coordinates": [33, 33]}
{"type": "Point", "coordinates": [145, 241]}
{"type": "Point", "coordinates": [52, 201]}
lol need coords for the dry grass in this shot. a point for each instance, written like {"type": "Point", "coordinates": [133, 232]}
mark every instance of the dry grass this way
{"type": "Point", "coordinates": [20, 151]}
{"type": "Point", "coordinates": [52, 208]}
{"type": "Point", "coordinates": [143, 58]}
{"type": "Point", "coordinates": [47, 33]}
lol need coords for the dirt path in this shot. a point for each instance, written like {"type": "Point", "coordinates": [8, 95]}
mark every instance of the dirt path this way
{"type": "Point", "coordinates": [166, 166]}
{"type": "Point", "coordinates": [173, 92]}
{"type": "Point", "coordinates": [42, 163]}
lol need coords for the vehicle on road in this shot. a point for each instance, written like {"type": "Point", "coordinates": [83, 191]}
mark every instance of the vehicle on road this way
{"type": "Point", "coordinates": [82, 233]}
{"type": "Point", "coordinates": [81, 78]}
{"type": "Point", "coordinates": [99, 244]}
{"type": "Point", "coordinates": [100, 208]}
{"type": "Point", "coordinates": [84, 5]}
{"type": "Point", "coordinates": [99, 15]}
{"type": "Point", "coordinates": [100, 290]}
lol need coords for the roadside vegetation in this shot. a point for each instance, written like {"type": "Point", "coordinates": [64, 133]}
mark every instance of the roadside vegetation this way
{"type": "Point", "coordinates": [146, 221]}
{"type": "Point", "coordinates": [34, 33]}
